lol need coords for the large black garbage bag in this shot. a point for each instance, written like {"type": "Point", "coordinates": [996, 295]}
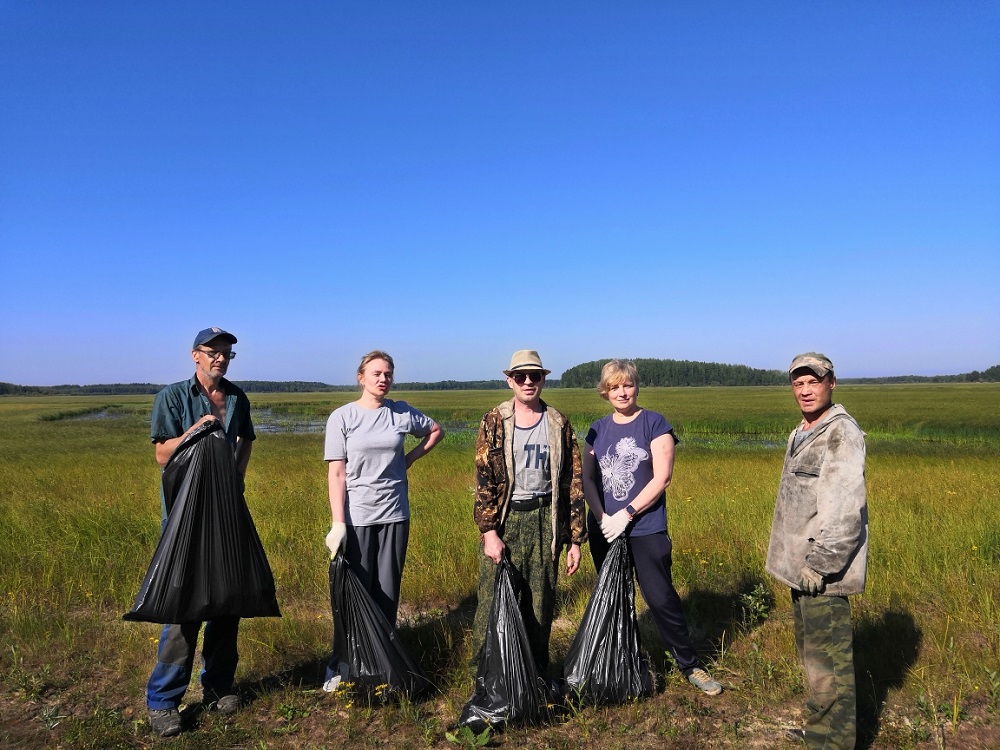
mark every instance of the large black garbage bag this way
{"type": "Point", "coordinates": [508, 688]}
{"type": "Point", "coordinates": [606, 663]}
{"type": "Point", "coordinates": [209, 562]}
{"type": "Point", "coordinates": [371, 655]}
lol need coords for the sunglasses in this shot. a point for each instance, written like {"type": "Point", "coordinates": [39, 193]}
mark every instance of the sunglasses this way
{"type": "Point", "coordinates": [535, 376]}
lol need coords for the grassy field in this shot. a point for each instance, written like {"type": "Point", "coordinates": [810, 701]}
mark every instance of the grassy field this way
{"type": "Point", "coordinates": [79, 520]}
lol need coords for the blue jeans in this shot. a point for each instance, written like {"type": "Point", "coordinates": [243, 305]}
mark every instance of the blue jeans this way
{"type": "Point", "coordinates": [175, 660]}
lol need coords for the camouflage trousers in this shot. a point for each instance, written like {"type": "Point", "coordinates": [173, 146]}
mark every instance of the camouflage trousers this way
{"type": "Point", "coordinates": [528, 537]}
{"type": "Point", "coordinates": [824, 640]}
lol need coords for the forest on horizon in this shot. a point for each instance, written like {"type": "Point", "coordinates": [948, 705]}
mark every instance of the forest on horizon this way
{"type": "Point", "coordinates": [669, 373]}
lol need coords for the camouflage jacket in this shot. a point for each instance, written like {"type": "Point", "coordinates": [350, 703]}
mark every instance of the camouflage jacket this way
{"type": "Point", "coordinates": [495, 467]}
{"type": "Point", "coordinates": [821, 514]}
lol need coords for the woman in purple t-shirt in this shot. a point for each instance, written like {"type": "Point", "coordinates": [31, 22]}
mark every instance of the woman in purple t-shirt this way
{"type": "Point", "coordinates": [627, 465]}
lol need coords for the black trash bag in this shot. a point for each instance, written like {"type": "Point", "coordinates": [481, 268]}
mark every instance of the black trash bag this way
{"type": "Point", "coordinates": [209, 562]}
{"type": "Point", "coordinates": [372, 658]}
{"type": "Point", "coordinates": [606, 663]}
{"type": "Point", "coordinates": [509, 689]}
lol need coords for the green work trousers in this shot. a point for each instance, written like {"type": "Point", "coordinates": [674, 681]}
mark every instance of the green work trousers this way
{"type": "Point", "coordinates": [527, 534]}
{"type": "Point", "coordinates": [824, 640]}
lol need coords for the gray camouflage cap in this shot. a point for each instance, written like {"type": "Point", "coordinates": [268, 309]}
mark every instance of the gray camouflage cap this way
{"type": "Point", "coordinates": [818, 363]}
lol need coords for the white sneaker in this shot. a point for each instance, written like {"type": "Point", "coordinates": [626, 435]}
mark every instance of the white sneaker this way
{"type": "Point", "coordinates": [332, 685]}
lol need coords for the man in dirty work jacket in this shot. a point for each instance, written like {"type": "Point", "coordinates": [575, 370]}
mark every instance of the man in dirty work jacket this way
{"type": "Point", "coordinates": [819, 548]}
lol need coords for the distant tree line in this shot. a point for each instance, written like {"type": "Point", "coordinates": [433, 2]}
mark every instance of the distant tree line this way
{"type": "Point", "coordinates": [289, 386]}
{"type": "Point", "coordinates": [105, 389]}
{"type": "Point", "coordinates": [250, 386]}
{"type": "Point", "coordinates": [677, 372]}
{"type": "Point", "coordinates": [296, 386]}
{"type": "Point", "coordinates": [652, 372]}
{"type": "Point", "coordinates": [674, 373]}
{"type": "Point", "coordinates": [454, 385]}
{"type": "Point", "coordinates": [989, 375]}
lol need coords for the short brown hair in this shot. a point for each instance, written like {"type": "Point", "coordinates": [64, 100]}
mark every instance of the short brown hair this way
{"type": "Point", "coordinates": [615, 372]}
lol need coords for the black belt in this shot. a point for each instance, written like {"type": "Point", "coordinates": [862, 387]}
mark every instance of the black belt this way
{"type": "Point", "coordinates": [542, 501]}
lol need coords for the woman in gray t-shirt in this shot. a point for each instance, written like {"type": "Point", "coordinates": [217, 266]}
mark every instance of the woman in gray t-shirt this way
{"type": "Point", "coordinates": [368, 487]}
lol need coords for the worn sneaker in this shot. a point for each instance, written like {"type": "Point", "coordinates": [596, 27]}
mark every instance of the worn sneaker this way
{"type": "Point", "coordinates": [165, 722]}
{"type": "Point", "coordinates": [223, 704]}
{"type": "Point", "coordinates": [332, 685]}
{"type": "Point", "coordinates": [704, 682]}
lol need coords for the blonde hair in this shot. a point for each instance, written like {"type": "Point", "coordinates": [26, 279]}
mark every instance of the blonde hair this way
{"type": "Point", "coordinates": [615, 372]}
{"type": "Point", "coordinates": [372, 356]}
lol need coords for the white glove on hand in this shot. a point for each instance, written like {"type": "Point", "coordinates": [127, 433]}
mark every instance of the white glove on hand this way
{"type": "Point", "coordinates": [810, 581]}
{"type": "Point", "coordinates": [614, 526]}
{"type": "Point", "coordinates": [335, 539]}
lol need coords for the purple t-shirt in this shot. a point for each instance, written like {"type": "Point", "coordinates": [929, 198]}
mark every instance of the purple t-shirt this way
{"type": "Point", "coordinates": [624, 466]}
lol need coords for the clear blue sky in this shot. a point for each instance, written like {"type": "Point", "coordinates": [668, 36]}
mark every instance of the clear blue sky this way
{"type": "Point", "coordinates": [450, 181]}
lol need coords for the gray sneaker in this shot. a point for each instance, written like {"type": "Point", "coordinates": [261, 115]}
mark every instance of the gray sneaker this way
{"type": "Point", "coordinates": [704, 682]}
{"type": "Point", "coordinates": [793, 735]}
{"type": "Point", "coordinates": [223, 704]}
{"type": "Point", "coordinates": [165, 722]}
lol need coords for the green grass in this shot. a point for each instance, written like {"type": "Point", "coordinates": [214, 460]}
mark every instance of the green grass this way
{"type": "Point", "coordinates": [79, 519]}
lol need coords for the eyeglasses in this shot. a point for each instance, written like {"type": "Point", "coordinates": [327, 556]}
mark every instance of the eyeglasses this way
{"type": "Point", "coordinates": [214, 355]}
{"type": "Point", "coordinates": [535, 376]}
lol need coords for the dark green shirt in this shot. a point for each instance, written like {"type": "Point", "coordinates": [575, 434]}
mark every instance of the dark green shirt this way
{"type": "Point", "coordinates": [180, 405]}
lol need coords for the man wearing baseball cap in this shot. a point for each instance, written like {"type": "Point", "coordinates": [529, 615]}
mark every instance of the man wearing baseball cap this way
{"type": "Point", "coordinates": [819, 548]}
{"type": "Point", "coordinates": [179, 409]}
{"type": "Point", "coordinates": [529, 501]}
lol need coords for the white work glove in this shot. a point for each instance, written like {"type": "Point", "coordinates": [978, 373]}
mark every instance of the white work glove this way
{"type": "Point", "coordinates": [810, 581]}
{"type": "Point", "coordinates": [335, 539]}
{"type": "Point", "coordinates": [614, 526]}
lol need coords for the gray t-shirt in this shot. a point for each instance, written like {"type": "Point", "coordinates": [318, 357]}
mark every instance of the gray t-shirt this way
{"type": "Point", "coordinates": [532, 476]}
{"type": "Point", "coordinates": [371, 443]}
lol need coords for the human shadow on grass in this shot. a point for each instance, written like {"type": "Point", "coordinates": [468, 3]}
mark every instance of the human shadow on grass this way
{"type": "Point", "coordinates": [438, 641]}
{"type": "Point", "coordinates": [305, 674]}
{"type": "Point", "coordinates": [434, 640]}
{"type": "Point", "coordinates": [885, 649]}
{"type": "Point", "coordinates": [715, 619]}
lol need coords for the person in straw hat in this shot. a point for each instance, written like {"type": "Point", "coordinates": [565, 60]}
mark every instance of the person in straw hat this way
{"type": "Point", "coordinates": [529, 501]}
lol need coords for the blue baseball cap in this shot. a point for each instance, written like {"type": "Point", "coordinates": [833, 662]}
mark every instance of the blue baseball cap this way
{"type": "Point", "coordinates": [209, 334]}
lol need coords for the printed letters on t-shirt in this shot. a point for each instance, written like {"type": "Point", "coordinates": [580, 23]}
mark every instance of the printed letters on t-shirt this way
{"type": "Point", "coordinates": [541, 457]}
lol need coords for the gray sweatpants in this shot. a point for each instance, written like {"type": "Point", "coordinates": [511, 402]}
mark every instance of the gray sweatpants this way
{"type": "Point", "coordinates": [376, 555]}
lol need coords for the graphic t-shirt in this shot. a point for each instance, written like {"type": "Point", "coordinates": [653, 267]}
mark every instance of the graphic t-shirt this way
{"type": "Point", "coordinates": [532, 476]}
{"type": "Point", "coordinates": [371, 443]}
{"type": "Point", "coordinates": [625, 466]}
